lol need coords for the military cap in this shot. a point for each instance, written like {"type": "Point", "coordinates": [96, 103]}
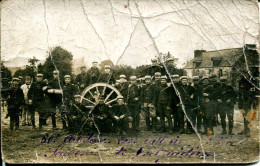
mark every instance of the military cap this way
{"type": "Point", "coordinates": [77, 96]}
{"type": "Point", "coordinates": [175, 76]}
{"type": "Point", "coordinates": [107, 67]}
{"type": "Point", "coordinates": [20, 77]}
{"type": "Point", "coordinates": [205, 77]}
{"type": "Point", "coordinates": [169, 59]}
{"type": "Point", "coordinates": [164, 77]}
{"type": "Point", "coordinates": [118, 81]}
{"type": "Point", "coordinates": [213, 76]}
{"type": "Point", "coordinates": [154, 60]}
{"type": "Point", "coordinates": [120, 97]}
{"type": "Point", "coordinates": [195, 78]}
{"type": "Point", "coordinates": [183, 77]}
{"type": "Point", "coordinates": [55, 72]}
{"type": "Point", "coordinates": [122, 76]}
{"type": "Point", "coordinates": [223, 78]}
{"type": "Point", "coordinates": [39, 75]}
{"type": "Point", "coordinates": [158, 74]}
{"type": "Point", "coordinates": [83, 67]}
{"type": "Point", "coordinates": [15, 79]}
{"type": "Point", "coordinates": [147, 77]}
{"type": "Point", "coordinates": [67, 76]}
{"type": "Point", "coordinates": [133, 78]}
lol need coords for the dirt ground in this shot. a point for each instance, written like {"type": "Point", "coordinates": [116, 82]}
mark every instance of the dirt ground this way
{"type": "Point", "coordinates": [29, 145]}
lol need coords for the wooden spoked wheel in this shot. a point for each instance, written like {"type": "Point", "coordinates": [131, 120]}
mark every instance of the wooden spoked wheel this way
{"type": "Point", "coordinates": [91, 95]}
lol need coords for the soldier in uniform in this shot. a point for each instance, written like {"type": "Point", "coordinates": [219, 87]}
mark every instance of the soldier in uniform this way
{"type": "Point", "coordinates": [119, 112]}
{"type": "Point", "coordinates": [37, 98]}
{"type": "Point", "coordinates": [123, 86]}
{"type": "Point", "coordinates": [246, 98]}
{"type": "Point", "coordinates": [26, 112]}
{"type": "Point", "coordinates": [187, 93]}
{"type": "Point", "coordinates": [164, 105]}
{"type": "Point", "coordinates": [82, 79]}
{"type": "Point", "coordinates": [107, 77]}
{"type": "Point", "coordinates": [55, 95]}
{"type": "Point", "coordinates": [102, 116]}
{"type": "Point", "coordinates": [207, 105]}
{"type": "Point", "coordinates": [79, 116]}
{"type": "Point", "coordinates": [153, 68]}
{"type": "Point", "coordinates": [15, 103]}
{"type": "Point", "coordinates": [170, 66]}
{"type": "Point", "coordinates": [94, 73]}
{"type": "Point", "coordinates": [133, 101]}
{"type": "Point", "coordinates": [156, 87]}
{"type": "Point", "coordinates": [69, 90]}
{"type": "Point", "coordinates": [146, 96]}
{"type": "Point", "coordinates": [226, 101]}
{"type": "Point", "coordinates": [198, 116]}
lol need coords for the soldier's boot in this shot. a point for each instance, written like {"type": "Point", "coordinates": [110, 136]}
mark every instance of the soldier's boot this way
{"type": "Point", "coordinates": [134, 124]}
{"type": "Point", "coordinates": [153, 125]}
{"type": "Point", "coordinates": [230, 132]}
{"type": "Point", "coordinates": [170, 126]}
{"type": "Point", "coordinates": [137, 124]}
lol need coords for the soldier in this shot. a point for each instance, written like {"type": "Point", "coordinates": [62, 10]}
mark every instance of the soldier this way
{"type": "Point", "coordinates": [69, 90]}
{"type": "Point", "coordinates": [82, 79]}
{"type": "Point", "coordinates": [55, 95]}
{"type": "Point", "coordinates": [107, 77]}
{"type": "Point", "coordinates": [102, 116]}
{"type": "Point", "coordinates": [94, 73]}
{"type": "Point", "coordinates": [226, 101]}
{"type": "Point", "coordinates": [207, 105]}
{"type": "Point", "coordinates": [146, 96]}
{"type": "Point", "coordinates": [198, 116]}
{"type": "Point", "coordinates": [164, 107]}
{"type": "Point", "coordinates": [178, 114]}
{"type": "Point", "coordinates": [187, 93]}
{"type": "Point", "coordinates": [246, 98]}
{"type": "Point", "coordinates": [15, 103]}
{"type": "Point", "coordinates": [153, 68]}
{"type": "Point", "coordinates": [119, 113]}
{"type": "Point", "coordinates": [79, 116]}
{"type": "Point", "coordinates": [123, 86]}
{"type": "Point", "coordinates": [27, 108]}
{"type": "Point", "coordinates": [37, 98]}
{"type": "Point", "coordinates": [133, 101]}
{"type": "Point", "coordinates": [21, 81]}
{"type": "Point", "coordinates": [170, 66]}
{"type": "Point", "coordinates": [156, 87]}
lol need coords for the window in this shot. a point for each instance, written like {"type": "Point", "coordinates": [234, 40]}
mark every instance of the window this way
{"type": "Point", "coordinates": [220, 73]}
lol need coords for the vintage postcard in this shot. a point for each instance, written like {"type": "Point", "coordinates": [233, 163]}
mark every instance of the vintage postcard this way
{"type": "Point", "coordinates": [130, 81]}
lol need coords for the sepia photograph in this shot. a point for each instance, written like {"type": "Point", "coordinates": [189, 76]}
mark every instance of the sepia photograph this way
{"type": "Point", "coordinates": [130, 81]}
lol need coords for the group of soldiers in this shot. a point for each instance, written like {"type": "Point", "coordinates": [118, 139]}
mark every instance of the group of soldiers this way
{"type": "Point", "coordinates": [176, 99]}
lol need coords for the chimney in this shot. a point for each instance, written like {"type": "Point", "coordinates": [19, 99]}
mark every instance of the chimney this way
{"type": "Point", "coordinates": [198, 53]}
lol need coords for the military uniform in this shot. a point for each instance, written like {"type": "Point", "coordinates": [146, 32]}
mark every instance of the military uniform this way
{"type": "Point", "coordinates": [198, 115]}
{"type": "Point", "coordinates": [246, 98]}
{"type": "Point", "coordinates": [107, 78]}
{"type": "Point", "coordinates": [226, 102]}
{"type": "Point", "coordinates": [39, 99]}
{"type": "Point", "coordinates": [207, 105]}
{"type": "Point", "coordinates": [146, 97]}
{"type": "Point", "coordinates": [15, 102]}
{"type": "Point", "coordinates": [94, 74]}
{"type": "Point", "coordinates": [119, 113]}
{"type": "Point", "coordinates": [133, 101]}
{"type": "Point", "coordinates": [82, 80]}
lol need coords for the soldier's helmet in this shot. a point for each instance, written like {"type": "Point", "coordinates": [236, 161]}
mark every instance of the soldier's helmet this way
{"type": "Point", "coordinates": [195, 78]}
{"type": "Point", "coordinates": [133, 78]}
{"type": "Point", "coordinates": [77, 96]}
{"type": "Point", "coordinates": [39, 75]}
{"type": "Point", "coordinates": [158, 74]}
{"type": "Point", "coordinates": [223, 78]}
{"type": "Point", "coordinates": [163, 78]}
{"type": "Point", "coordinates": [154, 60]}
{"type": "Point", "coordinates": [175, 76]}
{"type": "Point", "coordinates": [122, 76]}
{"type": "Point", "coordinates": [183, 77]}
{"type": "Point", "coordinates": [147, 77]}
{"type": "Point", "coordinates": [15, 79]}
{"type": "Point", "coordinates": [107, 67]}
{"type": "Point", "coordinates": [67, 76]}
{"type": "Point", "coordinates": [120, 97]}
{"type": "Point", "coordinates": [169, 60]}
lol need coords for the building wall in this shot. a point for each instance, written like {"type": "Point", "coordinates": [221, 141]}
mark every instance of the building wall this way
{"type": "Point", "coordinates": [208, 71]}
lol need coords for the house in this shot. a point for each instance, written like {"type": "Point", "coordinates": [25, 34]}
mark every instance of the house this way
{"type": "Point", "coordinates": [224, 62]}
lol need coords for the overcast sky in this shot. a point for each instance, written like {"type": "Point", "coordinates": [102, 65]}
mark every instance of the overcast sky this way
{"type": "Point", "coordinates": [99, 30]}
